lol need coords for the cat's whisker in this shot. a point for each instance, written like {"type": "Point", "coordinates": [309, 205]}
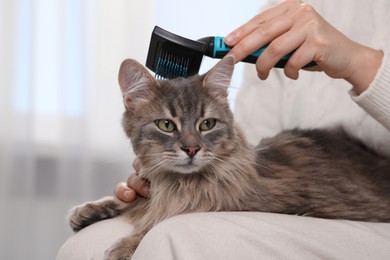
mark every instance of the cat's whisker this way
{"type": "Point", "coordinates": [150, 155]}
{"type": "Point", "coordinates": [269, 169]}
{"type": "Point", "coordinates": [260, 148]}
{"type": "Point", "coordinates": [233, 178]}
{"type": "Point", "coordinates": [151, 167]}
{"type": "Point", "coordinates": [248, 161]}
{"type": "Point", "coordinates": [227, 171]}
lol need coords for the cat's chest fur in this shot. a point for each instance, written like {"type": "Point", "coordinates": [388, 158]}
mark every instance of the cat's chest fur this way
{"type": "Point", "coordinates": [223, 186]}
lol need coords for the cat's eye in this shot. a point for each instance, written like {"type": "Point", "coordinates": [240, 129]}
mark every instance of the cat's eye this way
{"type": "Point", "coordinates": [207, 124]}
{"type": "Point", "coordinates": [166, 125]}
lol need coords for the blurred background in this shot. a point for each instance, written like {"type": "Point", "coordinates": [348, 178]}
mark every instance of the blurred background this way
{"type": "Point", "coordinates": [61, 141]}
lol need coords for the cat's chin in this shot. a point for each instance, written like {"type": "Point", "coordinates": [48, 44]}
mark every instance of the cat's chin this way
{"type": "Point", "coordinates": [186, 169]}
{"type": "Point", "coordinates": [187, 165]}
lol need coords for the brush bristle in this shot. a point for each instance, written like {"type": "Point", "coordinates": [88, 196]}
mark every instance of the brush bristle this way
{"type": "Point", "coordinates": [171, 66]}
{"type": "Point", "coordinates": [171, 56]}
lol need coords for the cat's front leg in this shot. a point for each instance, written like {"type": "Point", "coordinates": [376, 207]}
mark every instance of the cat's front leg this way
{"type": "Point", "coordinates": [124, 248]}
{"type": "Point", "coordinates": [91, 212]}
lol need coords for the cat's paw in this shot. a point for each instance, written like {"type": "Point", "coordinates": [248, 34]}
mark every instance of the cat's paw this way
{"type": "Point", "coordinates": [91, 212]}
{"type": "Point", "coordinates": [123, 249]}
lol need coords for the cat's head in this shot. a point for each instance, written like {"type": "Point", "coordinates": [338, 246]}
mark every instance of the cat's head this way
{"type": "Point", "coordinates": [182, 125]}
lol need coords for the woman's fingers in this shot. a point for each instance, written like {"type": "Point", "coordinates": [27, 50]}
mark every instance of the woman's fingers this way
{"type": "Point", "coordinates": [293, 27]}
{"type": "Point", "coordinates": [270, 14]}
{"type": "Point", "coordinates": [140, 185]}
{"type": "Point", "coordinates": [124, 193]}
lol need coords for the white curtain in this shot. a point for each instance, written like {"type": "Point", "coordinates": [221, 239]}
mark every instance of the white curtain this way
{"type": "Point", "coordinates": [61, 140]}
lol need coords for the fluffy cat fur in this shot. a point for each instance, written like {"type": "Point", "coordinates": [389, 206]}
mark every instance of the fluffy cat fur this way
{"type": "Point", "coordinates": [205, 163]}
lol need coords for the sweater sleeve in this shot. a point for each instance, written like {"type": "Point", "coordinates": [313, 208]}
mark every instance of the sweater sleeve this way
{"type": "Point", "coordinates": [376, 99]}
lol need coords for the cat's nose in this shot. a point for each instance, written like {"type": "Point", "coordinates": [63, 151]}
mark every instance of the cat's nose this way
{"type": "Point", "coordinates": [191, 151]}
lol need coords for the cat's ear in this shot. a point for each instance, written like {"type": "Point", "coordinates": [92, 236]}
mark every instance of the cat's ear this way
{"type": "Point", "coordinates": [219, 77]}
{"type": "Point", "coordinates": [135, 82]}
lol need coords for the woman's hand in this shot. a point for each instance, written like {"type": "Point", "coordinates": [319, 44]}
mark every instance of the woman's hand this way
{"type": "Point", "coordinates": [294, 25]}
{"type": "Point", "coordinates": [127, 192]}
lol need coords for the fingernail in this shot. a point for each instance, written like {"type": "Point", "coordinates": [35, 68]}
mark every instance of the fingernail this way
{"type": "Point", "coordinates": [229, 39]}
{"type": "Point", "coordinates": [261, 76]}
{"type": "Point", "coordinates": [146, 191]}
{"type": "Point", "coordinates": [127, 194]}
{"type": "Point", "coordinates": [231, 54]}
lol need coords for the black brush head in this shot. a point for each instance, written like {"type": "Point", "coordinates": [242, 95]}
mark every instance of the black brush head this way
{"type": "Point", "coordinates": [172, 56]}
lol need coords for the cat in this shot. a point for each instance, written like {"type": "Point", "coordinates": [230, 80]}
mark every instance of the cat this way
{"type": "Point", "coordinates": [197, 159]}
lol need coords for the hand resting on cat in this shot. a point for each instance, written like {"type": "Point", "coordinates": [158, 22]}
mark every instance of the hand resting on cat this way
{"type": "Point", "coordinates": [197, 159]}
{"type": "Point", "coordinates": [139, 186]}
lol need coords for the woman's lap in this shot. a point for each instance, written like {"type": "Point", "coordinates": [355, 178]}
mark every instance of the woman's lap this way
{"type": "Point", "coordinates": [238, 235]}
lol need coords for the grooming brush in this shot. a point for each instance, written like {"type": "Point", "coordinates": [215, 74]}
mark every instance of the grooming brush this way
{"type": "Point", "coordinates": [172, 56]}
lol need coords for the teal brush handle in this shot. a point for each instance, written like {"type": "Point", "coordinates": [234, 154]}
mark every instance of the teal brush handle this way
{"type": "Point", "coordinates": [218, 49]}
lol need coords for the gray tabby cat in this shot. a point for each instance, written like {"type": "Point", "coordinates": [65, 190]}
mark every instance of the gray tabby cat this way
{"type": "Point", "coordinates": [197, 159]}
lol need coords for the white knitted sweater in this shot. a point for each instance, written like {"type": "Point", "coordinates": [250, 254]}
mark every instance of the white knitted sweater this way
{"type": "Point", "coordinates": [314, 100]}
